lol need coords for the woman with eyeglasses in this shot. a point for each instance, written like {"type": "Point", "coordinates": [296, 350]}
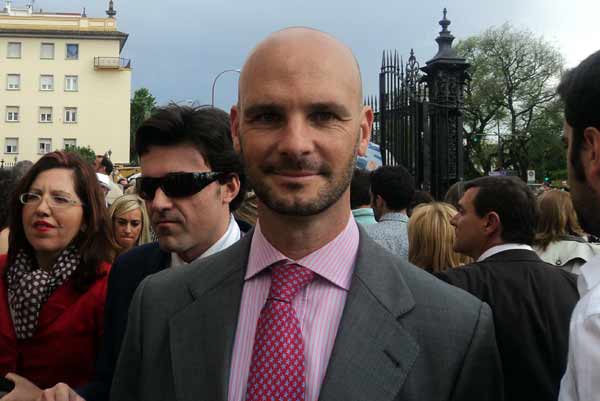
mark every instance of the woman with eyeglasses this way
{"type": "Point", "coordinates": [129, 223]}
{"type": "Point", "coordinates": [53, 279]}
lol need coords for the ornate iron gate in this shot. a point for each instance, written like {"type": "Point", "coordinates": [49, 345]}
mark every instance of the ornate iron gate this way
{"type": "Point", "coordinates": [418, 115]}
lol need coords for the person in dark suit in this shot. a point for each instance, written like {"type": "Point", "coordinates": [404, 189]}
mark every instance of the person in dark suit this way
{"type": "Point", "coordinates": [358, 322]}
{"type": "Point", "coordinates": [532, 301]}
{"type": "Point", "coordinates": [191, 182]}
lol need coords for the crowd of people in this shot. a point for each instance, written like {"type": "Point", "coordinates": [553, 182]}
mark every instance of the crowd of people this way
{"type": "Point", "coordinates": [252, 261]}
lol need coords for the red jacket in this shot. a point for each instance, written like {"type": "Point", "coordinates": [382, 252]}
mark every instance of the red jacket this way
{"type": "Point", "coordinates": [66, 341]}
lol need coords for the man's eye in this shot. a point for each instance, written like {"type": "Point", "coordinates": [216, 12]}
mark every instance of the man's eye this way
{"type": "Point", "coordinates": [265, 118]}
{"type": "Point", "coordinates": [323, 116]}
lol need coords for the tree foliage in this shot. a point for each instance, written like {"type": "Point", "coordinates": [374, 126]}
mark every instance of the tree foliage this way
{"type": "Point", "coordinates": [142, 105]}
{"type": "Point", "coordinates": [86, 153]}
{"type": "Point", "coordinates": [511, 108]}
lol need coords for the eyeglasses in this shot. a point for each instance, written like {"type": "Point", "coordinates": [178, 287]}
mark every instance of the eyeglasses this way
{"type": "Point", "coordinates": [176, 185]}
{"type": "Point", "coordinates": [55, 201]}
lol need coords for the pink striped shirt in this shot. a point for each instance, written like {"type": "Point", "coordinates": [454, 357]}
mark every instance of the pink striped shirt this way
{"type": "Point", "coordinates": [319, 306]}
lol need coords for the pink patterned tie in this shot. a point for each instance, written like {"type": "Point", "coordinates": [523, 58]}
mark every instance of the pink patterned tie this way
{"type": "Point", "coordinates": [277, 369]}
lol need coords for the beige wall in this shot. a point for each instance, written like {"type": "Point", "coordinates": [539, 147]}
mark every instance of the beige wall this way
{"type": "Point", "coordinates": [102, 99]}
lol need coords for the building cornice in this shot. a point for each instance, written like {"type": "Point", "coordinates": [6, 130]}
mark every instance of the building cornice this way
{"type": "Point", "coordinates": [66, 34]}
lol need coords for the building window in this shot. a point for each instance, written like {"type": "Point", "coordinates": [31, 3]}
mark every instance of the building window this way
{"type": "Point", "coordinates": [13, 82]}
{"type": "Point", "coordinates": [45, 114]}
{"type": "Point", "coordinates": [44, 146]}
{"type": "Point", "coordinates": [72, 51]}
{"type": "Point", "coordinates": [47, 82]}
{"type": "Point", "coordinates": [70, 114]}
{"type": "Point", "coordinates": [71, 83]}
{"type": "Point", "coordinates": [11, 145]}
{"type": "Point", "coordinates": [47, 51]}
{"type": "Point", "coordinates": [14, 50]}
{"type": "Point", "coordinates": [12, 113]}
{"type": "Point", "coordinates": [69, 143]}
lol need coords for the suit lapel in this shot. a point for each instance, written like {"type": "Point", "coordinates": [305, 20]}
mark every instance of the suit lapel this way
{"type": "Point", "coordinates": [373, 353]}
{"type": "Point", "coordinates": [202, 334]}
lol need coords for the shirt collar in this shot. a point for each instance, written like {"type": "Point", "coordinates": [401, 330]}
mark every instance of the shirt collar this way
{"type": "Point", "coordinates": [590, 275]}
{"type": "Point", "coordinates": [501, 248]}
{"type": "Point", "coordinates": [231, 236]}
{"type": "Point", "coordinates": [395, 216]}
{"type": "Point", "coordinates": [334, 261]}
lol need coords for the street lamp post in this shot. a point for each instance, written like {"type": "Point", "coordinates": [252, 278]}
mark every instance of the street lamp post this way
{"type": "Point", "coordinates": [212, 102]}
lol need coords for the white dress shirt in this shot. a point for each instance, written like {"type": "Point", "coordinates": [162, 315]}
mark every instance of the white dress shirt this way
{"type": "Point", "coordinates": [231, 236]}
{"type": "Point", "coordinates": [501, 248]}
{"type": "Point", "coordinates": [582, 378]}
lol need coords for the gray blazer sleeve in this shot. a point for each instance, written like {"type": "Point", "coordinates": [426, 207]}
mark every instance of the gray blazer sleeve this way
{"type": "Point", "coordinates": [126, 380]}
{"type": "Point", "coordinates": [481, 375]}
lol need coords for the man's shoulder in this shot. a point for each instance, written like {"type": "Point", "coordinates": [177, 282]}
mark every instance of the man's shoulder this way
{"type": "Point", "coordinates": [204, 273]}
{"type": "Point", "coordinates": [139, 256]}
{"type": "Point", "coordinates": [387, 228]}
{"type": "Point", "coordinates": [431, 295]}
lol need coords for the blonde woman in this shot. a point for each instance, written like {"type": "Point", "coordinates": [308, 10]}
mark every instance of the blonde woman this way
{"type": "Point", "coordinates": [431, 237]}
{"type": "Point", "coordinates": [129, 223]}
{"type": "Point", "coordinates": [560, 240]}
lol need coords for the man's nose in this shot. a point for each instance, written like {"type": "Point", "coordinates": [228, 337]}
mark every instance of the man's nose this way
{"type": "Point", "coordinates": [295, 138]}
{"type": "Point", "coordinates": [161, 201]}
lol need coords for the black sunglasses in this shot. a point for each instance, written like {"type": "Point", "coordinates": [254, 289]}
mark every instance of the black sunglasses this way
{"type": "Point", "coordinates": [176, 185]}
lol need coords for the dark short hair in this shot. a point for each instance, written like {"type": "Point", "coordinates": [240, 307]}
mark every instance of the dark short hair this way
{"type": "Point", "coordinates": [107, 164]}
{"type": "Point", "coordinates": [206, 128]}
{"type": "Point", "coordinates": [395, 185]}
{"type": "Point", "coordinates": [514, 203]}
{"type": "Point", "coordinates": [419, 198]}
{"type": "Point", "coordinates": [580, 91]}
{"type": "Point", "coordinates": [359, 188]}
{"type": "Point", "coordinates": [454, 193]}
{"type": "Point", "coordinates": [93, 243]}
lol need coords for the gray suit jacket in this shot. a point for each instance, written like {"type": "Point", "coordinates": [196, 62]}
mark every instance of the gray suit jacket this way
{"type": "Point", "coordinates": [404, 335]}
{"type": "Point", "coordinates": [391, 232]}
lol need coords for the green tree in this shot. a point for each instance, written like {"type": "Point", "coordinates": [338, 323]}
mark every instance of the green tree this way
{"type": "Point", "coordinates": [86, 153]}
{"type": "Point", "coordinates": [142, 105]}
{"type": "Point", "coordinates": [511, 100]}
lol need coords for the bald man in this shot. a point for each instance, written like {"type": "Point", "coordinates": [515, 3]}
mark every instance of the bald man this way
{"type": "Point", "coordinates": [305, 307]}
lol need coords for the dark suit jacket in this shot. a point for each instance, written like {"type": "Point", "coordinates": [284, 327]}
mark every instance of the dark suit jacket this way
{"type": "Point", "coordinates": [404, 335]}
{"type": "Point", "coordinates": [532, 303]}
{"type": "Point", "coordinates": [126, 274]}
{"type": "Point", "coordinates": [66, 341]}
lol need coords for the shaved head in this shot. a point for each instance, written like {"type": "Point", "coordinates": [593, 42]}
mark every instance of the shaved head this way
{"type": "Point", "coordinates": [312, 49]}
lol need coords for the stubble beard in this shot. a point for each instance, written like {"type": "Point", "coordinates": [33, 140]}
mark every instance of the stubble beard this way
{"type": "Point", "coordinates": [586, 202]}
{"type": "Point", "coordinates": [327, 195]}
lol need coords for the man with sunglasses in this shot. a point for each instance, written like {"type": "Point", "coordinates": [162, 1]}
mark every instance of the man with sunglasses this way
{"type": "Point", "coordinates": [305, 307]}
{"type": "Point", "coordinates": [192, 181]}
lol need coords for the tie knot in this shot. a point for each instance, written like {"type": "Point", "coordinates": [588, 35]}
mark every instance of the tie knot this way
{"type": "Point", "coordinates": [287, 280]}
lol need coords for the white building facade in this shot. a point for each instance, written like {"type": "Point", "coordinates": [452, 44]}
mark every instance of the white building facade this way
{"type": "Point", "coordinates": [62, 83]}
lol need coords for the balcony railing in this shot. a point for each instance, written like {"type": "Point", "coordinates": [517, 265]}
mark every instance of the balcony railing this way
{"type": "Point", "coordinates": [112, 63]}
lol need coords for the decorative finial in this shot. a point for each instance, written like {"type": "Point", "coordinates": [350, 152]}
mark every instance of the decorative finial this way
{"type": "Point", "coordinates": [111, 12]}
{"type": "Point", "coordinates": [445, 22]}
{"type": "Point", "coordinates": [83, 13]}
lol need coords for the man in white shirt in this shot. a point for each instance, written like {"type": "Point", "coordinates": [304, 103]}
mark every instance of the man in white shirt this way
{"type": "Point", "coordinates": [532, 301]}
{"type": "Point", "coordinates": [580, 91]}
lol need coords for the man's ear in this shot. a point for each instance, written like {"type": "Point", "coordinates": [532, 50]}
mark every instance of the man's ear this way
{"type": "Point", "coordinates": [235, 127]}
{"type": "Point", "coordinates": [230, 188]}
{"type": "Point", "coordinates": [591, 145]}
{"type": "Point", "coordinates": [379, 202]}
{"type": "Point", "coordinates": [493, 225]}
{"type": "Point", "coordinates": [366, 124]}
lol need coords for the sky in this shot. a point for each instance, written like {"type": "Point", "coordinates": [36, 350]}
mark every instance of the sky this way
{"type": "Point", "coordinates": [178, 47]}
